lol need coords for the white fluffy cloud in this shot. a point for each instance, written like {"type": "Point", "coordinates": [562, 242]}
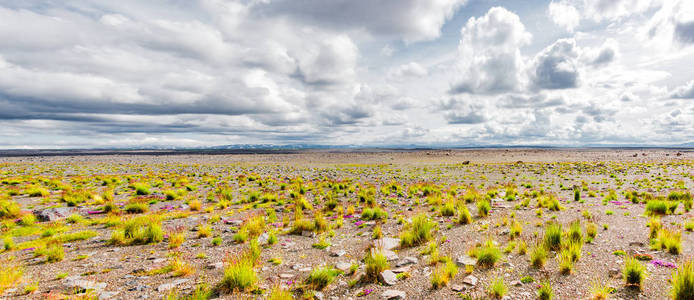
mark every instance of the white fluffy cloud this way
{"type": "Point", "coordinates": [384, 72]}
{"type": "Point", "coordinates": [489, 53]}
{"type": "Point", "coordinates": [564, 14]}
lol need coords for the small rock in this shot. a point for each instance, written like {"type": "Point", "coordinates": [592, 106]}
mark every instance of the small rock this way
{"type": "Point", "coordinates": [74, 282]}
{"type": "Point", "coordinates": [307, 269]}
{"type": "Point", "coordinates": [171, 285]}
{"type": "Point", "coordinates": [107, 295]}
{"type": "Point", "coordinates": [159, 260]}
{"type": "Point", "coordinates": [307, 233]}
{"type": "Point", "coordinates": [215, 266]}
{"type": "Point", "coordinates": [457, 287]}
{"type": "Point", "coordinates": [318, 295]}
{"type": "Point", "coordinates": [614, 273]}
{"type": "Point", "coordinates": [393, 294]}
{"type": "Point", "coordinates": [286, 275]}
{"type": "Point", "coordinates": [390, 255]}
{"type": "Point", "coordinates": [343, 266]}
{"type": "Point", "coordinates": [409, 260]}
{"type": "Point", "coordinates": [470, 280]}
{"type": "Point", "coordinates": [387, 243]}
{"type": "Point", "coordinates": [466, 261]}
{"type": "Point", "coordinates": [516, 283]}
{"type": "Point", "coordinates": [53, 214]}
{"type": "Point", "coordinates": [337, 253]}
{"type": "Point", "coordinates": [263, 238]}
{"type": "Point", "coordinates": [402, 269]}
{"type": "Point", "coordinates": [387, 277]}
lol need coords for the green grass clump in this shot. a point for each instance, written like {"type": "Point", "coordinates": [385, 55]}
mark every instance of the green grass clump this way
{"type": "Point", "coordinates": [375, 213]}
{"type": "Point", "coordinates": [575, 233]}
{"type": "Point", "coordinates": [599, 291]}
{"type": "Point", "coordinates": [515, 229]}
{"type": "Point", "coordinates": [138, 231]}
{"type": "Point", "coordinates": [667, 240]}
{"type": "Point", "coordinates": [136, 208]}
{"type": "Point", "coordinates": [417, 232]}
{"type": "Point", "coordinates": [141, 188]}
{"type": "Point", "coordinates": [634, 272]}
{"type": "Point", "coordinates": [682, 281]}
{"type": "Point", "coordinates": [538, 256]}
{"type": "Point", "coordinates": [37, 191]}
{"type": "Point", "coordinates": [497, 289]}
{"type": "Point", "coordinates": [9, 209]}
{"type": "Point", "coordinates": [376, 262]}
{"type": "Point", "coordinates": [239, 276]}
{"type": "Point", "coordinates": [483, 207]}
{"type": "Point", "coordinates": [545, 291]}
{"type": "Point", "coordinates": [302, 225]}
{"type": "Point", "coordinates": [8, 243]}
{"type": "Point", "coordinates": [566, 264]}
{"type": "Point", "coordinates": [552, 237]}
{"type": "Point", "coordinates": [447, 209]}
{"type": "Point", "coordinates": [278, 293]}
{"type": "Point", "coordinates": [591, 231]}
{"type": "Point", "coordinates": [9, 275]}
{"type": "Point", "coordinates": [322, 244]}
{"type": "Point", "coordinates": [488, 254]}
{"type": "Point", "coordinates": [660, 207]}
{"type": "Point", "coordinates": [55, 253]}
{"type": "Point", "coordinates": [321, 277]}
{"type": "Point", "coordinates": [443, 273]}
{"type": "Point", "coordinates": [464, 216]}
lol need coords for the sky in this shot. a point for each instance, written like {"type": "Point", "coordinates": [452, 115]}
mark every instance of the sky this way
{"type": "Point", "coordinates": [446, 73]}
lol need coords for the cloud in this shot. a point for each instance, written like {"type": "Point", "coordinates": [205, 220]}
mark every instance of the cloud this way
{"type": "Point", "coordinates": [333, 62]}
{"type": "Point", "coordinates": [599, 10]}
{"type": "Point", "coordinates": [556, 66]}
{"type": "Point", "coordinates": [602, 56]}
{"type": "Point", "coordinates": [672, 24]}
{"type": "Point", "coordinates": [411, 69]}
{"type": "Point", "coordinates": [685, 91]}
{"type": "Point", "coordinates": [564, 15]}
{"type": "Point", "coordinates": [489, 56]}
{"type": "Point", "coordinates": [408, 20]}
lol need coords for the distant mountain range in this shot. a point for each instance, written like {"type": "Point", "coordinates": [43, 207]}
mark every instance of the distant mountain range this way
{"type": "Point", "coordinates": [279, 148]}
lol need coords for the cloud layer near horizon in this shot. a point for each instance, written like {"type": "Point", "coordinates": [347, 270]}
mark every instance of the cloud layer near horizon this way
{"type": "Point", "coordinates": [345, 72]}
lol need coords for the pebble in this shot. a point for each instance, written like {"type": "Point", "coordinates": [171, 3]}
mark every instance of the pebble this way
{"type": "Point", "coordinates": [393, 294]}
{"type": "Point", "coordinates": [171, 285]}
{"type": "Point", "coordinates": [387, 277]}
{"type": "Point", "coordinates": [470, 280]}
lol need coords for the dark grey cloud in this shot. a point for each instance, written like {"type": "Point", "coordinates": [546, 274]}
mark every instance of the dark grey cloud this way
{"type": "Point", "coordinates": [529, 101]}
{"type": "Point", "coordinates": [556, 66]}
{"type": "Point", "coordinates": [390, 18]}
{"type": "Point", "coordinates": [605, 56]}
{"type": "Point", "coordinates": [685, 91]}
{"type": "Point", "coordinates": [684, 32]}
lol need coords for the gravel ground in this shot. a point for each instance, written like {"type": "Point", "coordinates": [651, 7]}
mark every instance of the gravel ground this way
{"type": "Point", "coordinates": [120, 267]}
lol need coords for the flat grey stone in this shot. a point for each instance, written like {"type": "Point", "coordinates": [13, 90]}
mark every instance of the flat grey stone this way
{"type": "Point", "coordinates": [470, 280]}
{"type": "Point", "coordinates": [75, 282]}
{"type": "Point", "coordinates": [409, 260]}
{"type": "Point", "coordinates": [387, 243]}
{"type": "Point", "coordinates": [171, 285]}
{"type": "Point", "coordinates": [343, 266]}
{"type": "Point", "coordinates": [457, 287]}
{"type": "Point", "coordinates": [393, 295]}
{"type": "Point", "coordinates": [387, 277]}
{"type": "Point", "coordinates": [337, 253]}
{"type": "Point", "coordinates": [465, 260]}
